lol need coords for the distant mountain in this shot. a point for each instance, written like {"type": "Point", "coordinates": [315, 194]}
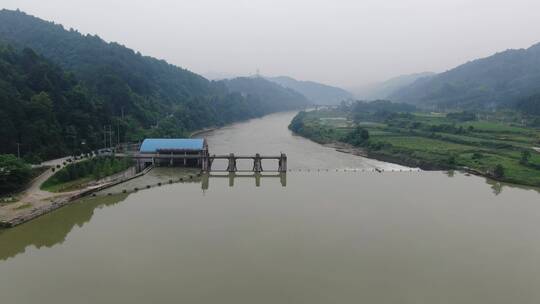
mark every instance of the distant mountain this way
{"type": "Point", "coordinates": [84, 83]}
{"type": "Point", "coordinates": [318, 93]}
{"type": "Point", "coordinates": [385, 89]}
{"type": "Point", "coordinates": [490, 82]}
{"type": "Point", "coordinates": [218, 75]}
{"type": "Point", "coordinates": [277, 97]}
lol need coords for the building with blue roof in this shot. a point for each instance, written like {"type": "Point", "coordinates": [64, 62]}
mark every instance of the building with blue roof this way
{"type": "Point", "coordinates": [187, 152]}
{"type": "Point", "coordinates": [155, 145]}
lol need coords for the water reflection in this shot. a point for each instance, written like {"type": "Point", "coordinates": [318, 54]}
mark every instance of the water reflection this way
{"type": "Point", "coordinates": [498, 187]}
{"type": "Point", "coordinates": [205, 183]}
{"type": "Point", "coordinates": [350, 236]}
{"type": "Point", "coordinates": [52, 229]}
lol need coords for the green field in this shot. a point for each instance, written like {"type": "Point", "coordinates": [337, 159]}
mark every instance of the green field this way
{"type": "Point", "coordinates": [433, 141]}
{"type": "Point", "coordinates": [78, 175]}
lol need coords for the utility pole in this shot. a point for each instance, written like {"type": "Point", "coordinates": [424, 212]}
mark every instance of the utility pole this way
{"type": "Point", "coordinates": [18, 150]}
{"type": "Point", "coordinates": [122, 109]}
{"type": "Point", "coordinates": [110, 136]}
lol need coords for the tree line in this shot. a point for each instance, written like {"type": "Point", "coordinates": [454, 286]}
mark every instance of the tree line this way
{"type": "Point", "coordinates": [59, 89]}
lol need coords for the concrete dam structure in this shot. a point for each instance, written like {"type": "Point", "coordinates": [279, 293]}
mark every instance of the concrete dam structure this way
{"type": "Point", "coordinates": [188, 152]}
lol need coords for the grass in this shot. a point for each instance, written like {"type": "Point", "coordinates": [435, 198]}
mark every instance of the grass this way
{"type": "Point", "coordinates": [411, 140]}
{"type": "Point", "coordinates": [75, 176]}
{"type": "Point", "coordinates": [488, 126]}
{"type": "Point", "coordinates": [38, 171]}
{"type": "Point", "coordinates": [67, 186]}
{"type": "Point", "coordinates": [10, 199]}
{"type": "Point", "coordinates": [422, 144]}
{"type": "Point", "coordinates": [23, 206]}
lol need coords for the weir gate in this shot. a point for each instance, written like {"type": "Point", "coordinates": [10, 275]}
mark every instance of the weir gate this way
{"type": "Point", "coordinates": [193, 152]}
{"type": "Point", "coordinates": [205, 161]}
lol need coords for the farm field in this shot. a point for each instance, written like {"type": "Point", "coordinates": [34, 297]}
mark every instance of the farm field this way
{"type": "Point", "coordinates": [497, 149]}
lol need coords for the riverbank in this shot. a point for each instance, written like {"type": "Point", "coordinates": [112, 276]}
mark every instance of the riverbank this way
{"type": "Point", "coordinates": [36, 202]}
{"type": "Point", "coordinates": [431, 142]}
{"type": "Point", "coordinates": [201, 131]}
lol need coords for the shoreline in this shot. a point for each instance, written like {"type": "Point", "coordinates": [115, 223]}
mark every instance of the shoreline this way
{"type": "Point", "coordinates": [423, 165]}
{"type": "Point", "coordinates": [487, 149]}
{"type": "Point", "coordinates": [62, 200]}
{"type": "Point", "coordinates": [202, 131]}
{"type": "Point", "coordinates": [346, 148]}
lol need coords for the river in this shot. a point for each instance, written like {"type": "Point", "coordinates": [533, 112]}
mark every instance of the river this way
{"type": "Point", "coordinates": [346, 235]}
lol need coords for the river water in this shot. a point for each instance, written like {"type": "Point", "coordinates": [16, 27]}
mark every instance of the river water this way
{"type": "Point", "coordinates": [346, 236]}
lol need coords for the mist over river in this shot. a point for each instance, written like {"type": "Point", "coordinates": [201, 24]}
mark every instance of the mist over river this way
{"type": "Point", "coordinates": [336, 236]}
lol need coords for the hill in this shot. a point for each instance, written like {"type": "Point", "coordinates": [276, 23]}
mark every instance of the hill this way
{"type": "Point", "coordinates": [277, 98]}
{"type": "Point", "coordinates": [317, 93]}
{"type": "Point", "coordinates": [43, 109]}
{"type": "Point", "coordinates": [385, 89]}
{"type": "Point", "coordinates": [139, 95]}
{"type": "Point", "coordinates": [486, 83]}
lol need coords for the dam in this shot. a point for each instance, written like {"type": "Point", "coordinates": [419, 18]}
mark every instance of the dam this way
{"type": "Point", "coordinates": [194, 152]}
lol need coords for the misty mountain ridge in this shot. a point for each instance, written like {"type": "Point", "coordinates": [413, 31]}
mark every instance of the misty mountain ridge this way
{"type": "Point", "coordinates": [261, 88]}
{"type": "Point", "coordinates": [383, 90]}
{"type": "Point", "coordinates": [317, 93]}
{"type": "Point", "coordinates": [492, 82]}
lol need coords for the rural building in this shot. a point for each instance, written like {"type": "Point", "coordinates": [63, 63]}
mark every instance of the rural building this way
{"type": "Point", "coordinates": [186, 152]}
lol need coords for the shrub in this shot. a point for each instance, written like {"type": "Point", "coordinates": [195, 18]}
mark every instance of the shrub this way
{"type": "Point", "coordinates": [525, 156]}
{"type": "Point", "coordinates": [451, 161]}
{"type": "Point", "coordinates": [498, 171]}
{"type": "Point", "coordinates": [357, 137]}
{"type": "Point", "coordinates": [33, 159]}
{"type": "Point", "coordinates": [477, 155]}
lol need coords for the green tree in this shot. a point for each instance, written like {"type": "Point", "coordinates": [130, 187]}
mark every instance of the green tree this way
{"type": "Point", "coordinates": [14, 173]}
{"type": "Point", "coordinates": [498, 171]}
{"type": "Point", "coordinates": [451, 160]}
{"type": "Point", "coordinates": [357, 137]}
{"type": "Point", "coordinates": [525, 156]}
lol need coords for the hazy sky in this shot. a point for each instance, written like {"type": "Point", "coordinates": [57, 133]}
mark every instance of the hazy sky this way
{"type": "Point", "coordinates": [341, 42]}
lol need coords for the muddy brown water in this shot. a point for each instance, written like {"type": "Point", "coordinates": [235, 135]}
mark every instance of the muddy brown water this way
{"type": "Point", "coordinates": [327, 237]}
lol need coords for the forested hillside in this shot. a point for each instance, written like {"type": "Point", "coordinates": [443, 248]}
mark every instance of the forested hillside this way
{"type": "Point", "coordinates": [491, 82]}
{"type": "Point", "coordinates": [82, 83]}
{"type": "Point", "coordinates": [529, 105]}
{"type": "Point", "coordinates": [316, 92]}
{"type": "Point", "coordinates": [44, 109]}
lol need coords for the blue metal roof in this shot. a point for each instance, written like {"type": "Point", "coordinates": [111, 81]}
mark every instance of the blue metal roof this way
{"type": "Point", "coordinates": [151, 145]}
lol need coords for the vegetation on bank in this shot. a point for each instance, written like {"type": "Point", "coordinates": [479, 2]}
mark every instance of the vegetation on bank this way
{"type": "Point", "coordinates": [75, 175]}
{"type": "Point", "coordinates": [490, 146]}
{"type": "Point", "coordinates": [14, 174]}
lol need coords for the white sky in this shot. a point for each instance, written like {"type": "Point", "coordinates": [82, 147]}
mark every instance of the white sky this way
{"type": "Point", "coordinates": [340, 42]}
